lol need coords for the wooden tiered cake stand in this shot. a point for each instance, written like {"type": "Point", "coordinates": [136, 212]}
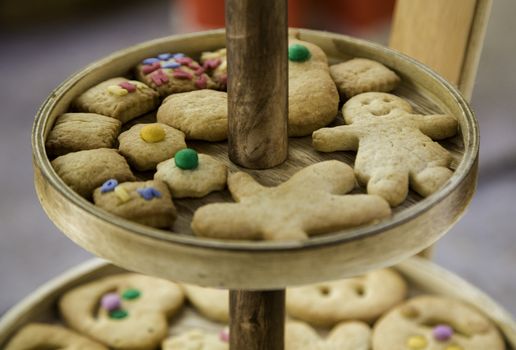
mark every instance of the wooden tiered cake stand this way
{"type": "Point", "coordinates": [258, 272]}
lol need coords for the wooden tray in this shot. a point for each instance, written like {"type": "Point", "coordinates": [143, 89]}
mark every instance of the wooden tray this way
{"type": "Point", "coordinates": [262, 265]}
{"type": "Point", "coordinates": [423, 276]}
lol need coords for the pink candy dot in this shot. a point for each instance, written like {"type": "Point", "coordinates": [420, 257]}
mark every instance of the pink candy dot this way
{"type": "Point", "coordinates": [110, 302]}
{"type": "Point", "coordinates": [183, 60]}
{"type": "Point", "coordinates": [181, 74]}
{"type": "Point", "coordinates": [146, 69]}
{"type": "Point", "coordinates": [212, 64]}
{"type": "Point", "coordinates": [128, 86]}
{"type": "Point", "coordinates": [159, 78]}
{"type": "Point", "coordinates": [224, 335]}
{"type": "Point", "coordinates": [201, 82]}
{"type": "Point", "coordinates": [442, 332]}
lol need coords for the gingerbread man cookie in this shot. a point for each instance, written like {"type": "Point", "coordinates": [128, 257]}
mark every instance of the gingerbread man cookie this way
{"type": "Point", "coordinates": [44, 336]}
{"type": "Point", "coordinates": [210, 302]}
{"type": "Point", "coordinates": [216, 65]}
{"type": "Point", "coordinates": [313, 100]}
{"type": "Point", "coordinates": [311, 202]}
{"type": "Point", "coordinates": [394, 145]}
{"type": "Point", "coordinates": [196, 339]}
{"type": "Point", "coordinates": [435, 323]}
{"type": "Point", "coordinates": [126, 311]}
{"type": "Point", "coordinates": [170, 73]}
{"type": "Point", "coordinates": [362, 298]}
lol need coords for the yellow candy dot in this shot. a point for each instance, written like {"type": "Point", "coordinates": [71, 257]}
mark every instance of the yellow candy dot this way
{"type": "Point", "coordinates": [152, 133]}
{"type": "Point", "coordinates": [454, 347]}
{"type": "Point", "coordinates": [139, 85]}
{"type": "Point", "coordinates": [417, 342]}
{"type": "Point", "coordinates": [122, 194]}
{"type": "Point", "coordinates": [117, 90]}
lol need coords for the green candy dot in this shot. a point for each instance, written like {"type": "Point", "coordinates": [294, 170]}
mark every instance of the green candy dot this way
{"type": "Point", "coordinates": [186, 158]}
{"type": "Point", "coordinates": [118, 314]}
{"type": "Point", "coordinates": [298, 53]}
{"type": "Point", "coordinates": [131, 294]}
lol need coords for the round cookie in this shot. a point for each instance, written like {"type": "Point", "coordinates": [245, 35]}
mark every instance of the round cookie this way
{"type": "Point", "coordinates": [435, 323]}
{"type": "Point", "coordinates": [126, 311]}
{"type": "Point", "coordinates": [195, 339]}
{"type": "Point", "coordinates": [201, 115]}
{"type": "Point", "coordinates": [362, 298]}
{"type": "Point", "coordinates": [345, 336]}
{"type": "Point", "coordinates": [145, 145]}
{"type": "Point", "coordinates": [209, 175]}
{"type": "Point", "coordinates": [210, 302]}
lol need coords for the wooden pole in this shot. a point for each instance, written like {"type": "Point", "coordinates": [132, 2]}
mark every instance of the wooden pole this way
{"type": "Point", "coordinates": [257, 320]}
{"type": "Point", "coordinates": [257, 44]}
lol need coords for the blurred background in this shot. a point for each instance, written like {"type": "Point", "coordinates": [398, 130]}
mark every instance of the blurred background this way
{"type": "Point", "coordinates": [43, 42]}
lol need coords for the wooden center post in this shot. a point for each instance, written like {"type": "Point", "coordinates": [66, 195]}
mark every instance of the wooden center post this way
{"type": "Point", "coordinates": [257, 44]}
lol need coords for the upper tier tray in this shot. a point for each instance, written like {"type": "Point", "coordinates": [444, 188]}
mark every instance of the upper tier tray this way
{"type": "Point", "coordinates": [180, 256]}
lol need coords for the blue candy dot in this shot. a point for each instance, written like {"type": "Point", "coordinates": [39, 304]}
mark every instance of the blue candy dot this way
{"type": "Point", "coordinates": [171, 65]}
{"type": "Point", "coordinates": [150, 60]}
{"type": "Point", "coordinates": [148, 193]}
{"type": "Point", "coordinates": [108, 186]}
{"type": "Point", "coordinates": [179, 55]}
{"type": "Point", "coordinates": [164, 56]}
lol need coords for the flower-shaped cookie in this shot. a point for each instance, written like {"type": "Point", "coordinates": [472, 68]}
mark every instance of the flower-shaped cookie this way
{"type": "Point", "coordinates": [360, 75]}
{"type": "Point", "coordinates": [362, 298]}
{"type": "Point", "coordinates": [195, 339]}
{"type": "Point", "coordinates": [201, 115]}
{"type": "Point", "coordinates": [435, 323]}
{"type": "Point", "coordinates": [169, 73]}
{"type": "Point", "coordinates": [210, 302]}
{"type": "Point", "coordinates": [146, 145]}
{"type": "Point", "coordinates": [313, 100]}
{"type": "Point", "coordinates": [126, 311]}
{"type": "Point", "coordinates": [311, 202]}
{"type": "Point", "coordinates": [394, 145]}
{"type": "Point", "coordinates": [191, 175]}
{"type": "Point", "coordinates": [216, 65]}
{"type": "Point", "coordinates": [345, 336]}
{"type": "Point", "coordinates": [146, 202]}
{"type": "Point", "coordinates": [119, 98]}
{"type": "Point", "coordinates": [45, 336]}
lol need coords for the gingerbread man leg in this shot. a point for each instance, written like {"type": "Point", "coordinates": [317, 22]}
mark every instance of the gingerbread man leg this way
{"type": "Point", "coordinates": [389, 183]}
{"type": "Point", "coordinates": [430, 180]}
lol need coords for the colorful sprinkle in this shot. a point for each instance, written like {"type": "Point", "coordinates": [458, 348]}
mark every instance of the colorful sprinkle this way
{"type": "Point", "coordinates": [442, 332]}
{"type": "Point", "coordinates": [108, 186]}
{"type": "Point", "coordinates": [131, 294]}
{"type": "Point", "coordinates": [181, 74]}
{"type": "Point", "coordinates": [165, 56]}
{"type": "Point", "coordinates": [171, 65]}
{"type": "Point", "coordinates": [201, 82]}
{"type": "Point", "coordinates": [193, 65]}
{"type": "Point", "coordinates": [150, 60]}
{"type": "Point", "coordinates": [148, 193]}
{"type": "Point", "coordinates": [178, 55]}
{"type": "Point", "coordinates": [454, 347]}
{"type": "Point", "coordinates": [159, 78]}
{"type": "Point", "coordinates": [110, 302]}
{"type": "Point", "coordinates": [224, 335]}
{"type": "Point", "coordinates": [199, 71]}
{"type": "Point", "coordinates": [417, 342]}
{"type": "Point", "coordinates": [128, 86]}
{"type": "Point", "coordinates": [298, 53]}
{"type": "Point", "coordinates": [117, 90]}
{"type": "Point", "coordinates": [224, 79]}
{"type": "Point", "coordinates": [186, 158]}
{"type": "Point", "coordinates": [118, 314]}
{"type": "Point", "coordinates": [139, 85]}
{"type": "Point", "coordinates": [212, 64]}
{"type": "Point", "coordinates": [122, 194]}
{"type": "Point", "coordinates": [152, 133]}
{"type": "Point", "coordinates": [151, 68]}
{"type": "Point", "coordinates": [183, 60]}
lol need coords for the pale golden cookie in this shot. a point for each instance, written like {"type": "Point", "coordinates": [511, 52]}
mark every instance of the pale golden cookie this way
{"type": "Point", "coordinates": [74, 132]}
{"type": "Point", "coordinates": [142, 205]}
{"type": "Point", "coordinates": [147, 302]}
{"type": "Point", "coordinates": [195, 340]}
{"type": "Point", "coordinates": [394, 145]}
{"type": "Point", "coordinates": [84, 171]}
{"type": "Point", "coordinates": [210, 302]}
{"type": "Point", "coordinates": [362, 298]}
{"type": "Point", "coordinates": [345, 336]}
{"type": "Point", "coordinates": [313, 100]}
{"type": "Point", "coordinates": [210, 175]}
{"type": "Point", "coordinates": [216, 64]}
{"type": "Point", "coordinates": [35, 336]}
{"type": "Point", "coordinates": [311, 202]}
{"type": "Point", "coordinates": [435, 323]}
{"type": "Point", "coordinates": [172, 73]}
{"type": "Point", "coordinates": [111, 99]}
{"type": "Point", "coordinates": [360, 75]}
{"type": "Point", "coordinates": [143, 154]}
{"type": "Point", "coordinates": [201, 115]}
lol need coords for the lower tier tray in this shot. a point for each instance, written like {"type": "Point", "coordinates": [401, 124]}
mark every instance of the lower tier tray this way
{"type": "Point", "coordinates": [423, 276]}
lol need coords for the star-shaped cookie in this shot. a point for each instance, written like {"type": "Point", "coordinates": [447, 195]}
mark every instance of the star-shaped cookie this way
{"type": "Point", "coordinates": [311, 202]}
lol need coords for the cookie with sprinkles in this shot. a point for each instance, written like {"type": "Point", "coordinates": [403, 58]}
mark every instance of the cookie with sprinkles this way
{"type": "Point", "coordinates": [124, 311]}
{"type": "Point", "coordinates": [118, 98]}
{"type": "Point", "coordinates": [216, 65]}
{"type": "Point", "coordinates": [146, 202]}
{"type": "Point", "coordinates": [170, 73]}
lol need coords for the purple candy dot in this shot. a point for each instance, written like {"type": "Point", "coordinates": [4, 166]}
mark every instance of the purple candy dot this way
{"type": "Point", "coordinates": [442, 332]}
{"type": "Point", "coordinates": [171, 65]}
{"type": "Point", "coordinates": [178, 55]}
{"type": "Point", "coordinates": [148, 193]}
{"type": "Point", "coordinates": [110, 302]}
{"type": "Point", "coordinates": [108, 186]}
{"type": "Point", "coordinates": [164, 56]}
{"type": "Point", "coordinates": [150, 60]}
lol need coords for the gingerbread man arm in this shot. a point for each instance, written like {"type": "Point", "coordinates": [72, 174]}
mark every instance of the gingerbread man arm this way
{"type": "Point", "coordinates": [340, 138]}
{"type": "Point", "coordinates": [242, 185]}
{"type": "Point", "coordinates": [331, 176]}
{"type": "Point", "coordinates": [436, 126]}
